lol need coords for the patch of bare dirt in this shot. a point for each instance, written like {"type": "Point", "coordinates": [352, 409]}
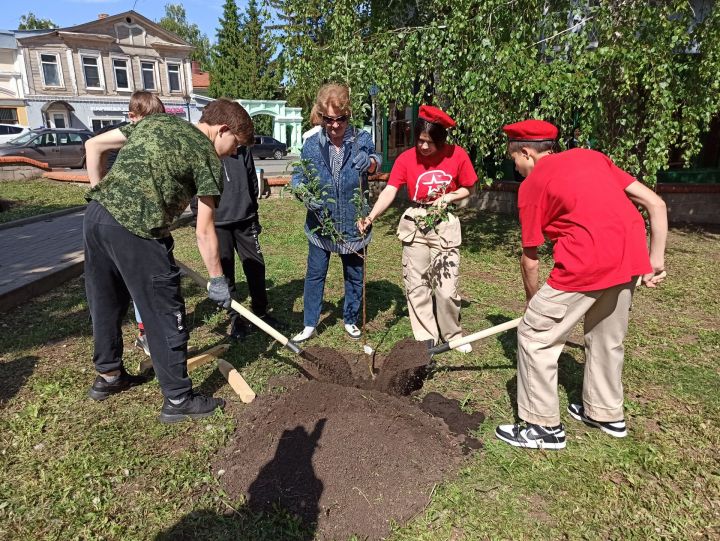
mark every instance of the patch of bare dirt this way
{"type": "Point", "coordinates": [348, 459]}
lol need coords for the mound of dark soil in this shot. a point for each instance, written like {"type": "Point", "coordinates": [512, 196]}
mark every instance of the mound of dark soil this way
{"type": "Point", "coordinates": [347, 460]}
{"type": "Point", "coordinates": [400, 372]}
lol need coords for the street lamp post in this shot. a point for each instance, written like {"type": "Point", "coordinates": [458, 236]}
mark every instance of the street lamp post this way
{"type": "Point", "coordinates": [187, 99]}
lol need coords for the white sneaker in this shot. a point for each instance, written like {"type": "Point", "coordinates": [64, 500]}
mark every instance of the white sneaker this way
{"type": "Point", "coordinates": [353, 331]}
{"type": "Point", "coordinates": [466, 348]}
{"type": "Point", "coordinates": [306, 334]}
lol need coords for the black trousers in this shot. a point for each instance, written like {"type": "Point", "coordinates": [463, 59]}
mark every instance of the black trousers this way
{"type": "Point", "coordinates": [243, 238]}
{"type": "Point", "coordinates": [120, 265]}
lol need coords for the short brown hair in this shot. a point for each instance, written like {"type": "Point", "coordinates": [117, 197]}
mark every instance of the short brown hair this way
{"type": "Point", "coordinates": [333, 94]}
{"type": "Point", "coordinates": [230, 113]}
{"type": "Point", "coordinates": [144, 103]}
{"type": "Point", "coordinates": [538, 146]}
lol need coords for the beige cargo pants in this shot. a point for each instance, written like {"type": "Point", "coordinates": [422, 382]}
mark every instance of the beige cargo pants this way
{"type": "Point", "coordinates": [548, 320]}
{"type": "Point", "coordinates": [431, 263]}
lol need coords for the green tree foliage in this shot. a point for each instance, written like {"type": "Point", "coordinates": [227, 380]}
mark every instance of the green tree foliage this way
{"type": "Point", "coordinates": [245, 63]}
{"type": "Point", "coordinates": [175, 20]}
{"type": "Point", "coordinates": [225, 72]}
{"type": "Point", "coordinates": [32, 22]}
{"type": "Point", "coordinates": [637, 76]}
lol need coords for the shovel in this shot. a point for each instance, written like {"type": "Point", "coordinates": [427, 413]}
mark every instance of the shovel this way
{"type": "Point", "coordinates": [452, 344]}
{"type": "Point", "coordinates": [255, 320]}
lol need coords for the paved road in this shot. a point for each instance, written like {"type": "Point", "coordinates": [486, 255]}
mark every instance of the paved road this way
{"type": "Point", "coordinates": [38, 256]}
{"type": "Point", "coordinates": [276, 168]}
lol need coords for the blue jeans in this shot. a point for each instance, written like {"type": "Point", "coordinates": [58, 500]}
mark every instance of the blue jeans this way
{"type": "Point", "coordinates": [317, 267]}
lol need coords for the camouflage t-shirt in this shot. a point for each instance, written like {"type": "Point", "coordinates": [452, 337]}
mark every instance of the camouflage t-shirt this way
{"type": "Point", "coordinates": [164, 162]}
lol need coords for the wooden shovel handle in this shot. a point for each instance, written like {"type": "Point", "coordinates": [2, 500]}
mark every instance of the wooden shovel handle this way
{"type": "Point", "coordinates": [452, 344]}
{"type": "Point", "coordinates": [240, 309]}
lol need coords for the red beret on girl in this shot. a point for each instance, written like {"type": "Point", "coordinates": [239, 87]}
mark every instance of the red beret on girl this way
{"type": "Point", "coordinates": [436, 116]}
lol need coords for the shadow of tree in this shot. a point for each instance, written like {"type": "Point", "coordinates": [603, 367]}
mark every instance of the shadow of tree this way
{"type": "Point", "coordinates": [240, 525]}
{"type": "Point", "coordinates": [14, 374]}
{"type": "Point", "coordinates": [380, 296]}
{"type": "Point", "coordinates": [65, 307]}
{"type": "Point", "coordinates": [484, 231]}
{"type": "Point", "coordinates": [283, 501]}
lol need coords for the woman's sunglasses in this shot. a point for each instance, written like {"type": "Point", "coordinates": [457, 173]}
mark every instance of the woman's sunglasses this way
{"type": "Point", "coordinates": [332, 119]}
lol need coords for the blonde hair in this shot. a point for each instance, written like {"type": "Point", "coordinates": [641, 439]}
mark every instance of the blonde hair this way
{"type": "Point", "coordinates": [144, 103]}
{"type": "Point", "coordinates": [335, 95]}
{"type": "Point", "coordinates": [315, 116]}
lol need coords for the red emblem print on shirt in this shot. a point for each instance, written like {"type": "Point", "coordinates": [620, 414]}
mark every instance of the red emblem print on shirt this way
{"type": "Point", "coordinates": [431, 184]}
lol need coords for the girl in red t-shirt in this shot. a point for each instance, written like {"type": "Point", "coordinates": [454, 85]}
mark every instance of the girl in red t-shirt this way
{"type": "Point", "coordinates": [436, 174]}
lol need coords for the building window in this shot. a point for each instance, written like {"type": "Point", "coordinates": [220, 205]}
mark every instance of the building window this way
{"type": "Point", "coordinates": [59, 120]}
{"type": "Point", "coordinates": [148, 75]}
{"type": "Point", "coordinates": [174, 77]}
{"type": "Point", "coordinates": [91, 71]}
{"type": "Point", "coordinates": [8, 116]}
{"type": "Point", "coordinates": [130, 34]}
{"type": "Point", "coordinates": [50, 70]}
{"type": "Point", "coordinates": [99, 123]}
{"type": "Point", "coordinates": [122, 77]}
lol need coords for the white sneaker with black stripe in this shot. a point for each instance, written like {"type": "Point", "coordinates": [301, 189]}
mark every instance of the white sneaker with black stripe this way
{"type": "Point", "coordinates": [353, 331]}
{"type": "Point", "coordinates": [532, 436]}
{"type": "Point", "coordinates": [616, 429]}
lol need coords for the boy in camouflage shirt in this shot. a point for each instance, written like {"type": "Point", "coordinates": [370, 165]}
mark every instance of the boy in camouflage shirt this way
{"type": "Point", "coordinates": [164, 161]}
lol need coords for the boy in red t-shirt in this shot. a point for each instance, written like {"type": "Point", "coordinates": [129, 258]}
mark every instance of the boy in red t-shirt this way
{"type": "Point", "coordinates": [585, 205]}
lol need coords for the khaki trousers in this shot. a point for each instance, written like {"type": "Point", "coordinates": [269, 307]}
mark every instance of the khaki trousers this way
{"type": "Point", "coordinates": [548, 320]}
{"type": "Point", "coordinates": [431, 263]}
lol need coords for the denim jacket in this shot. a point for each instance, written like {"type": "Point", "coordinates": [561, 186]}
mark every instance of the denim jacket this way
{"type": "Point", "coordinates": [337, 198]}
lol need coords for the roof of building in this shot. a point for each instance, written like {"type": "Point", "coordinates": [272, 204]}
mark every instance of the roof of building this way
{"type": "Point", "coordinates": [201, 80]}
{"type": "Point", "coordinates": [7, 39]}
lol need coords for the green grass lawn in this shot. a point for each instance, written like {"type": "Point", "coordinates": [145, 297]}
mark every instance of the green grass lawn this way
{"type": "Point", "coordinates": [74, 469]}
{"type": "Point", "coordinates": [33, 197]}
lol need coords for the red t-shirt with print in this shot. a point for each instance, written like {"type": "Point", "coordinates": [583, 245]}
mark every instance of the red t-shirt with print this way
{"type": "Point", "coordinates": [428, 178]}
{"type": "Point", "coordinates": [577, 200]}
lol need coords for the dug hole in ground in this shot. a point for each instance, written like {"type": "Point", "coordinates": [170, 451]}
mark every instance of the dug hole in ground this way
{"type": "Point", "coordinates": [347, 453]}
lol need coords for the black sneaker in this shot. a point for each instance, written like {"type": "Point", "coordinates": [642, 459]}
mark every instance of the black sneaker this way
{"type": "Point", "coordinates": [196, 406]}
{"type": "Point", "coordinates": [532, 436]}
{"type": "Point", "coordinates": [101, 389]}
{"type": "Point", "coordinates": [617, 429]}
{"type": "Point", "coordinates": [142, 343]}
{"type": "Point", "coordinates": [241, 328]}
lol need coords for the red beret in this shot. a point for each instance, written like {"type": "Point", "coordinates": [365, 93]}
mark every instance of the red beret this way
{"type": "Point", "coordinates": [436, 116]}
{"type": "Point", "coordinates": [531, 130]}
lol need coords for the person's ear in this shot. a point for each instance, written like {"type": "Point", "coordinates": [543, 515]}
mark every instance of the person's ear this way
{"type": "Point", "coordinates": [525, 153]}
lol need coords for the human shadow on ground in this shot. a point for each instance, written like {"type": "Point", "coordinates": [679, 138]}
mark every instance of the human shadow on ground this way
{"type": "Point", "coordinates": [283, 500]}
{"type": "Point", "coordinates": [14, 374]}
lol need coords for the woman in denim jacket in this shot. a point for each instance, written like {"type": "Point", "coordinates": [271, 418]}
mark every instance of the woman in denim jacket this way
{"type": "Point", "coordinates": [335, 162]}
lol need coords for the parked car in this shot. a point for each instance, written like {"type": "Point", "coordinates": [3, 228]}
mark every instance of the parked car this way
{"type": "Point", "coordinates": [11, 131]}
{"type": "Point", "coordinates": [58, 147]}
{"type": "Point", "coordinates": [268, 147]}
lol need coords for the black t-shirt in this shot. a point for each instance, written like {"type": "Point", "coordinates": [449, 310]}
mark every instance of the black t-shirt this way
{"type": "Point", "coordinates": [240, 192]}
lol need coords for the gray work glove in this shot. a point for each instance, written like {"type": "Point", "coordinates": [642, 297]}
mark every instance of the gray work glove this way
{"type": "Point", "coordinates": [361, 162]}
{"type": "Point", "coordinates": [219, 291]}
